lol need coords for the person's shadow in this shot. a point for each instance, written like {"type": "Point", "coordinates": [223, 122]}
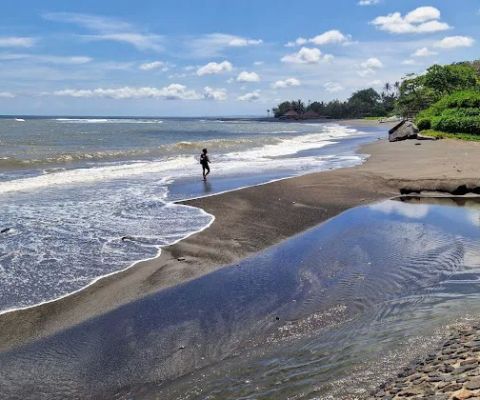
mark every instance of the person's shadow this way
{"type": "Point", "coordinates": [207, 187]}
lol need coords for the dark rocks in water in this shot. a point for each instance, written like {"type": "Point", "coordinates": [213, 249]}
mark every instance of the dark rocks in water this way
{"type": "Point", "coordinates": [403, 131]}
{"type": "Point", "coordinates": [5, 230]}
{"type": "Point", "coordinates": [125, 238]}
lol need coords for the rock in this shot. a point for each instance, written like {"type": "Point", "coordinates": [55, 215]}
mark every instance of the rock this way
{"type": "Point", "coordinates": [474, 384]}
{"type": "Point", "coordinates": [181, 259]}
{"type": "Point", "coordinates": [471, 361]}
{"type": "Point", "coordinates": [462, 394]}
{"type": "Point", "coordinates": [5, 230]}
{"type": "Point", "coordinates": [404, 130]}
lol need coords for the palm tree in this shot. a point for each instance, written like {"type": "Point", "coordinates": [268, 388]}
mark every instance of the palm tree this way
{"type": "Point", "coordinates": [387, 87]}
{"type": "Point", "coordinates": [268, 112]}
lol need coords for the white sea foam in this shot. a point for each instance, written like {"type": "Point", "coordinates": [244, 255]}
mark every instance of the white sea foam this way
{"type": "Point", "coordinates": [66, 226]}
{"type": "Point", "coordinates": [108, 121]}
{"type": "Point", "coordinates": [258, 157]}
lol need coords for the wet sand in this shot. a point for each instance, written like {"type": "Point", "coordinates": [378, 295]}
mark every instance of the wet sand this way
{"type": "Point", "coordinates": [255, 218]}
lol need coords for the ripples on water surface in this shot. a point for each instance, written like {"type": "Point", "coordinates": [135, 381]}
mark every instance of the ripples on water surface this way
{"type": "Point", "coordinates": [329, 313]}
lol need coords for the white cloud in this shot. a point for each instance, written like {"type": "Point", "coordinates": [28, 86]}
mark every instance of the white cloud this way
{"type": "Point", "coordinates": [333, 36]}
{"type": "Point", "coordinates": [451, 42]}
{"type": "Point", "coordinates": [75, 60]}
{"type": "Point", "coordinates": [257, 63]}
{"type": "Point", "coordinates": [109, 29]}
{"type": "Point", "coordinates": [409, 62]}
{"type": "Point", "coordinates": [289, 82]}
{"type": "Point", "coordinates": [298, 42]}
{"type": "Point", "coordinates": [333, 87]}
{"type": "Point", "coordinates": [252, 96]}
{"type": "Point", "coordinates": [424, 52]}
{"type": "Point", "coordinates": [370, 66]}
{"type": "Point", "coordinates": [214, 68]}
{"type": "Point", "coordinates": [138, 40]}
{"type": "Point", "coordinates": [154, 65]}
{"type": "Point", "coordinates": [16, 41]}
{"type": "Point", "coordinates": [174, 91]}
{"type": "Point", "coordinates": [417, 211]}
{"type": "Point", "coordinates": [372, 63]}
{"type": "Point", "coordinates": [6, 95]}
{"type": "Point", "coordinates": [368, 2]}
{"type": "Point", "coordinates": [306, 55]}
{"type": "Point", "coordinates": [245, 76]}
{"type": "Point", "coordinates": [420, 20]}
{"type": "Point", "coordinates": [215, 94]}
{"type": "Point", "coordinates": [214, 44]}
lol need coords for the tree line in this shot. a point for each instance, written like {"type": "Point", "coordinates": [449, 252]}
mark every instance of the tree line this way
{"type": "Point", "coordinates": [407, 98]}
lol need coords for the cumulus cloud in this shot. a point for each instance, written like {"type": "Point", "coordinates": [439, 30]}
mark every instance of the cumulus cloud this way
{"type": "Point", "coordinates": [333, 87]}
{"type": "Point", "coordinates": [6, 95]}
{"type": "Point", "coordinates": [289, 82]}
{"type": "Point", "coordinates": [409, 62]}
{"type": "Point", "coordinates": [251, 96]}
{"type": "Point", "coordinates": [154, 65]}
{"type": "Point", "coordinates": [368, 2]}
{"type": "Point", "coordinates": [370, 66]}
{"type": "Point", "coordinates": [420, 20]}
{"type": "Point", "coordinates": [175, 91]}
{"type": "Point", "coordinates": [109, 29]}
{"type": "Point", "coordinates": [213, 68]}
{"type": "Point", "coordinates": [16, 41]}
{"type": "Point", "coordinates": [451, 42]}
{"type": "Point", "coordinates": [424, 52]}
{"type": "Point", "coordinates": [214, 94]}
{"type": "Point", "coordinates": [306, 55]}
{"type": "Point", "coordinates": [333, 36]}
{"type": "Point", "coordinates": [245, 76]}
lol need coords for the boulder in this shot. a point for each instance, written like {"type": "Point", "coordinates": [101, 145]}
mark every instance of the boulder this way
{"type": "Point", "coordinates": [404, 130]}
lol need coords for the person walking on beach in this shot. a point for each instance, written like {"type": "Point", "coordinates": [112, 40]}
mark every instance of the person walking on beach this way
{"type": "Point", "coordinates": [204, 161]}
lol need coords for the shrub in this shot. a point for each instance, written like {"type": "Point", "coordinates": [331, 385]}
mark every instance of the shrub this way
{"type": "Point", "coordinates": [458, 112]}
{"type": "Point", "coordinates": [456, 124]}
{"type": "Point", "coordinates": [424, 123]}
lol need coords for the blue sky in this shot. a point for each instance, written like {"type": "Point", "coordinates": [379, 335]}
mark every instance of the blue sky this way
{"type": "Point", "coordinates": [217, 57]}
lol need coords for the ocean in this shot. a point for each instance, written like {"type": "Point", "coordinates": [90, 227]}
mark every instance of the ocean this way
{"type": "Point", "coordinates": [82, 198]}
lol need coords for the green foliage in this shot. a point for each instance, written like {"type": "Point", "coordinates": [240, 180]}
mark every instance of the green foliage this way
{"type": "Point", "coordinates": [425, 96]}
{"type": "Point", "coordinates": [456, 135]}
{"type": "Point", "coordinates": [419, 92]}
{"type": "Point", "coordinates": [363, 103]}
{"type": "Point", "coordinates": [282, 109]}
{"type": "Point", "coordinates": [456, 113]}
{"type": "Point", "coordinates": [457, 124]}
{"type": "Point", "coordinates": [295, 105]}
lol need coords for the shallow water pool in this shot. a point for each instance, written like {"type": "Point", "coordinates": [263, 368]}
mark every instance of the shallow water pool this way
{"type": "Point", "coordinates": [329, 313]}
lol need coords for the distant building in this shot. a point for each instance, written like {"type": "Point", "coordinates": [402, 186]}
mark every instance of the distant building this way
{"type": "Point", "coordinates": [292, 114]}
{"type": "Point", "coordinates": [310, 115]}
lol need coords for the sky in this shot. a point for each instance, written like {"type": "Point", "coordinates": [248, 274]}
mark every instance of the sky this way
{"type": "Point", "coordinates": [218, 57]}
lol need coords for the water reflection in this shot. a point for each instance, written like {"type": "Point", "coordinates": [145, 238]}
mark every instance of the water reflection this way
{"type": "Point", "coordinates": [329, 312]}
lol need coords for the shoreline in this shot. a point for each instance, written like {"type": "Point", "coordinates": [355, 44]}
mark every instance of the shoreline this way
{"type": "Point", "coordinates": [303, 201]}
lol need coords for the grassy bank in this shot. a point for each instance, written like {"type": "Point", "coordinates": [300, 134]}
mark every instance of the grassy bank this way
{"type": "Point", "coordinates": [445, 135]}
